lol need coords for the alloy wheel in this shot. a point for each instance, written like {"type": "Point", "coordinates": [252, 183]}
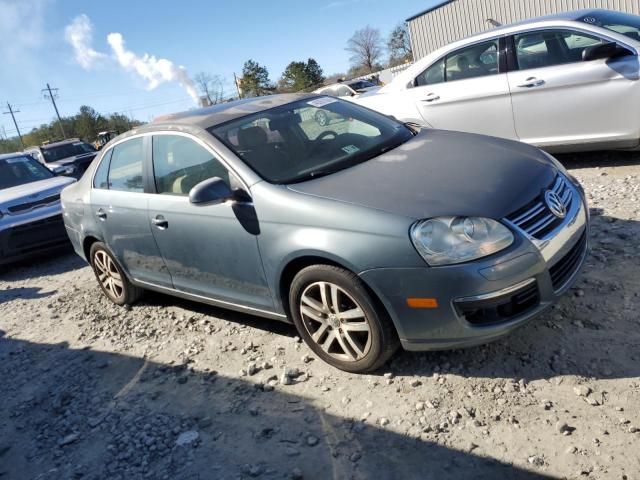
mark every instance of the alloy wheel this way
{"type": "Point", "coordinates": [108, 275]}
{"type": "Point", "coordinates": [335, 321]}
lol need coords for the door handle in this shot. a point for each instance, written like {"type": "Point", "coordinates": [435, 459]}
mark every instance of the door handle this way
{"type": "Point", "coordinates": [101, 214]}
{"type": "Point", "coordinates": [532, 82]}
{"type": "Point", "coordinates": [160, 222]}
{"type": "Point", "coordinates": [432, 97]}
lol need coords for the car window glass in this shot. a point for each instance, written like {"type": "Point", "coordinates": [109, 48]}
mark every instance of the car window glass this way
{"type": "Point", "coordinates": [432, 75]}
{"type": "Point", "coordinates": [20, 170]}
{"type": "Point", "coordinates": [474, 61]}
{"type": "Point", "coordinates": [179, 164]}
{"type": "Point", "coordinates": [125, 171]}
{"type": "Point", "coordinates": [100, 180]}
{"type": "Point", "coordinates": [619, 22]}
{"type": "Point", "coordinates": [551, 47]}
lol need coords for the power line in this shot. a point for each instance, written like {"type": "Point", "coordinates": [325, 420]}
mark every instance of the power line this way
{"type": "Point", "coordinates": [12, 112]}
{"type": "Point", "coordinates": [51, 97]}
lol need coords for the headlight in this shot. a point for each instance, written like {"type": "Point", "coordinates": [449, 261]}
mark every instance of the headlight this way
{"type": "Point", "coordinates": [449, 240]}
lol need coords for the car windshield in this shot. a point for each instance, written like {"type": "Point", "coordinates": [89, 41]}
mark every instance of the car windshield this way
{"type": "Point", "coordinates": [310, 138]}
{"type": "Point", "coordinates": [20, 170]}
{"type": "Point", "coordinates": [66, 150]}
{"type": "Point", "coordinates": [361, 85]}
{"type": "Point", "coordinates": [618, 22]}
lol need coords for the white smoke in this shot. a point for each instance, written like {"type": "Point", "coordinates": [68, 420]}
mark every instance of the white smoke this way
{"type": "Point", "coordinates": [154, 71]}
{"type": "Point", "coordinates": [79, 34]}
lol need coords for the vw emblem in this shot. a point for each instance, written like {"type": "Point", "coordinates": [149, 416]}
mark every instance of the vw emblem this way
{"type": "Point", "coordinates": [555, 204]}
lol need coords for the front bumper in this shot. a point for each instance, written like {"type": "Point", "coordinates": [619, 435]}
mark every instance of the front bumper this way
{"type": "Point", "coordinates": [483, 300]}
{"type": "Point", "coordinates": [23, 237]}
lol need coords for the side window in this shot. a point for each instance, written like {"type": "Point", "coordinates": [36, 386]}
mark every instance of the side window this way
{"type": "Point", "coordinates": [179, 164]}
{"type": "Point", "coordinates": [101, 180]}
{"type": "Point", "coordinates": [551, 47]}
{"type": "Point", "coordinates": [475, 61]}
{"type": "Point", "coordinates": [125, 170]}
{"type": "Point", "coordinates": [432, 75]}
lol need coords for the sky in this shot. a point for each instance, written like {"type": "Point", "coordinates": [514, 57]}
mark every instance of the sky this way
{"type": "Point", "coordinates": [73, 45]}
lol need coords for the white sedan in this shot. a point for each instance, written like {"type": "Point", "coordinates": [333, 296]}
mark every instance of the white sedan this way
{"type": "Point", "coordinates": [567, 82]}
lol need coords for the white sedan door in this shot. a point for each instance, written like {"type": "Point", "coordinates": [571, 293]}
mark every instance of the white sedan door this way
{"type": "Point", "coordinates": [466, 91]}
{"type": "Point", "coordinates": [558, 99]}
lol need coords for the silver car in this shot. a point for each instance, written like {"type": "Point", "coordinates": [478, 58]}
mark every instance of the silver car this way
{"type": "Point", "coordinates": [567, 82]}
{"type": "Point", "coordinates": [30, 211]}
{"type": "Point", "coordinates": [365, 235]}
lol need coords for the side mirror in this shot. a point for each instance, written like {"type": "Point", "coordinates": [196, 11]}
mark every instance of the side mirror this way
{"type": "Point", "coordinates": [604, 50]}
{"type": "Point", "coordinates": [63, 171]}
{"type": "Point", "coordinates": [211, 191]}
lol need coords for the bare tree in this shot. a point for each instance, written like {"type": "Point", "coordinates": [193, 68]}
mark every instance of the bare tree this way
{"type": "Point", "coordinates": [366, 48]}
{"type": "Point", "coordinates": [210, 87]}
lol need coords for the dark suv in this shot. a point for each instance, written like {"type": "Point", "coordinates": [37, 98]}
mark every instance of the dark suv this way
{"type": "Point", "coordinates": [74, 154]}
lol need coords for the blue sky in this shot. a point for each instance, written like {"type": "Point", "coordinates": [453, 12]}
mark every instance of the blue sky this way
{"type": "Point", "coordinates": [210, 36]}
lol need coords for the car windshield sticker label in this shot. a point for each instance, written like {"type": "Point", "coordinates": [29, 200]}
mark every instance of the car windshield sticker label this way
{"type": "Point", "coordinates": [321, 102]}
{"type": "Point", "coordinates": [350, 149]}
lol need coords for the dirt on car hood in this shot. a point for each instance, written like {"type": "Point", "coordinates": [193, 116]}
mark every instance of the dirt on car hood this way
{"type": "Point", "coordinates": [441, 172]}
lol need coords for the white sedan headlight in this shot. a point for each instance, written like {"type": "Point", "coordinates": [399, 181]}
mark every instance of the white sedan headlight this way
{"type": "Point", "coordinates": [449, 240]}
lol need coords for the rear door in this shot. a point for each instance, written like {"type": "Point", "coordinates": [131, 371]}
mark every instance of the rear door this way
{"type": "Point", "coordinates": [558, 99]}
{"type": "Point", "coordinates": [119, 203]}
{"type": "Point", "coordinates": [467, 90]}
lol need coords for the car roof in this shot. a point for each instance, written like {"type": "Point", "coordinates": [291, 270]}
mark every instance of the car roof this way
{"type": "Point", "coordinates": [62, 142]}
{"type": "Point", "coordinates": [223, 112]}
{"type": "Point", "coordinates": [570, 16]}
{"type": "Point", "coordinates": [4, 156]}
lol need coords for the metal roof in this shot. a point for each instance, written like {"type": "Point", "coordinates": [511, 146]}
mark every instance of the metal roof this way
{"type": "Point", "coordinates": [431, 9]}
{"type": "Point", "coordinates": [223, 112]}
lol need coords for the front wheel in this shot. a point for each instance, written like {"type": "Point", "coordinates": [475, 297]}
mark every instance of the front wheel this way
{"type": "Point", "coordinates": [113, 282]}
{"type": "Point", "coordinates": [339, 320]}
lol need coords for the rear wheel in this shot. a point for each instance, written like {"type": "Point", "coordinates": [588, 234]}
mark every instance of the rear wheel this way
{"type": "Point", "coordinates": [339, 320]}
{"type": "Point", "coordinates": [115, 285]}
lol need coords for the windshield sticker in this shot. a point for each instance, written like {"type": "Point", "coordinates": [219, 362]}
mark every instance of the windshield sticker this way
{"type": "Point", "coordinates": [17, 160]}
{"type": "Point", "coordinates": [350, 149]}
{"type": "Point", "coordinates": [321, 102]}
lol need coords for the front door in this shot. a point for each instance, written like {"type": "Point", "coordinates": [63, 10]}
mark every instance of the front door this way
{"type": "Point", "coordinates": [211, 250]}
{"type": "Point", "coordinates": [466, 91]}
{"type": "Point", "coordinates": [558, 99]}
{"type": "Point", "coordinates": [119, 203]}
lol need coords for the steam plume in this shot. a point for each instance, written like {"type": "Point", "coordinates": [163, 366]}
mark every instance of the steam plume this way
{"type": "Point", "coordinates": [79, 34]}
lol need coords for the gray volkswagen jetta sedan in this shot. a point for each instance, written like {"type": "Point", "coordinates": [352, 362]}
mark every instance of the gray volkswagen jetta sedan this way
{"type": "Point", "coordinates": [365, 233]}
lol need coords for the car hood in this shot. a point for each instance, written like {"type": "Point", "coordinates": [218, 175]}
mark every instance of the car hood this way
{"type": "Point", "coordinates": [440, 173]}
{"type": "Point", "coordinates": [74, 159]}
{"type": "Point", "coordinates": [31, 192]}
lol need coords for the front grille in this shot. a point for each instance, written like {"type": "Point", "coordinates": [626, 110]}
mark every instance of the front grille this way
{"type": "Point", "coordinates": [41, 202]}
{"type": "Point", "coordinates": [535, 218]}
{"type": "Point", "coordinates": [37, 235]}
{"type": "Point", "coordinates": [562, 271]}
{"type": "Point", "coordinates": [500, 309]}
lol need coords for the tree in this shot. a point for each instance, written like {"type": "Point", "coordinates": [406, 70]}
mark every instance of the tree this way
{"type": "Point", "coordinates": [255, 80]}
{"type": "Point", "coordinates": [300, 76]}
{"type": "Point", "coordinates": [366, 48]}
{"type": "Point", "coordinates": [399, 46]}
{"type": "Point", "coordinates": [88, 123]}
{"type": "Point", "coordinates": [210, 87]}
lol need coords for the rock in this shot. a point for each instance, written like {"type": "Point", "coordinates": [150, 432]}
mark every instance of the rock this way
{"type": "Point", "coordinates": [307, 359]}
{"type": "Point", "coordinates": [252, 369]}
{"type": "Point", "coordinates": [389, 375]}
{"type": "Point", "coordinates": [312, 441]}
{"type": "Point", "coordinates": [187, 438]}
{"type": "Point", "coordinates": [419, 406]}
{"type": "Point", "coordinates": [296, 474]}
{"type": "Point", "coordinates": [563, 428]}
{"type": "Point", "coordinates": [68, 439]}
{"type": "Point", "coordinates": [383, 421]}
{"type": "Point", "coordinates": [536, 460]}
{"type": "Point", "coordinates": [582, 390]}
{"type": "Point", "coordinates": [415, 383]}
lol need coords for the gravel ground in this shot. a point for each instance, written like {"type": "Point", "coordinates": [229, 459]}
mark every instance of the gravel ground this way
{"type": "Point", "coordinates": [173, 389]}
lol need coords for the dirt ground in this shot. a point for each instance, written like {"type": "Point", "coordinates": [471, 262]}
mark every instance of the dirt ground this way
{"type": "Point", "coordinates": [171, 389]}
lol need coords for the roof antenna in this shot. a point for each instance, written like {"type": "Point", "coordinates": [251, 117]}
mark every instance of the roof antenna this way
{"type": "Point", "coordinates": [493, 22]}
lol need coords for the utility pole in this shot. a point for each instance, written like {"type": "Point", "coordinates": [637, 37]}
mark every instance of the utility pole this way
{"type": "Point", "coordinates": [51, 96]}
{"type": "Point", "coordinates": [12, 112]}
{"type": "Point", "coordinates": [235, 80]}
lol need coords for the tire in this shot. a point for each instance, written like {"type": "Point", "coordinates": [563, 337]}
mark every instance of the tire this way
{"type": "Point", "coordinates": [113, 282]}
{"type": "Point", "coordinates": [348, 330]}
{"type": "Point", "coordinates": [322, 118]}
